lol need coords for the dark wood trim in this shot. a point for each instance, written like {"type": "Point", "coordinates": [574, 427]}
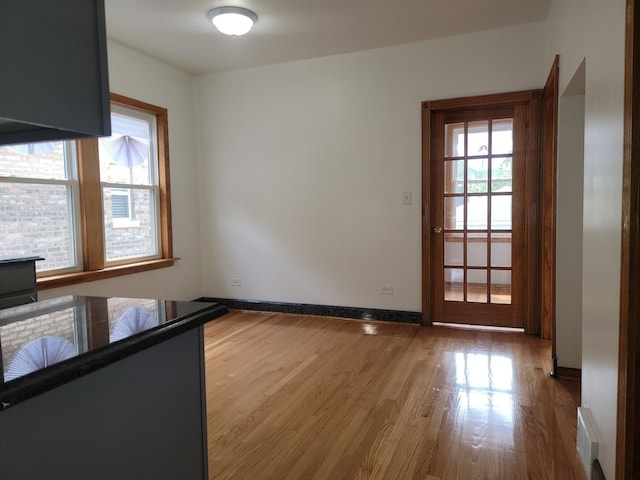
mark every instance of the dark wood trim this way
{"type": "Point", "coordinates": [164, 181]}
{"type": "Point", "coordinates": [628, 420]}
{"type": "Point", "coordinates": [64, 280]}
{"type": "Point", "coordinates": [436, 288]}
{"type": "Point", "coordinates": [532, 219]}
{"type": "Point", "coordinates": [426, 216]}
{"type": "Point", "coordinates": [566, 373]}
{"type": "Point", "coordinates": [129, 102]}
{"type": "Point", "coordinates": [492, 100]}
{"type": "Point", "coordinates": [91, 217]}
{"type": "Point", "coordinates": [549, 135]}
{"type": "Point", "coordinates": [166, 230]}
{"type": "Point", "coordinates": [519, 259]}
{"type": "Point", "coordinates": [369, 314]}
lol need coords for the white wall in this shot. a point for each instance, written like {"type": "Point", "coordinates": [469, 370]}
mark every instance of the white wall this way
{"type": "Point", "coordinates": [148, 80]}
{"type": "Point", "coordinates": [569, 223]}
{"type": "Point", "coordinates": [593, 29]}
{"type": "Point", "coordinates": [304, 165]}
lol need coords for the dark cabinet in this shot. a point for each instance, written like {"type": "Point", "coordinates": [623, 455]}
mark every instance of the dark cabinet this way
{"type": "Point", "coordinates": [18, 281]}
{"type": "Point", "coordinates": [54, 81]}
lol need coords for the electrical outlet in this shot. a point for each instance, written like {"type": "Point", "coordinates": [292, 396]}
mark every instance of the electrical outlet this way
{"type": "Point", "coordinates": [386, 290]}
{"type": "Point", "coordinates": [236, 282]}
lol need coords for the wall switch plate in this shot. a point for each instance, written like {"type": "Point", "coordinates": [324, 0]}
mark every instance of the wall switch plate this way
{"type": "Point", "coordinates": [406, 198]}
{"type": "Point", "coordinates": [236, 282]}
{"type": "Point", "coordinates": [386, 290]}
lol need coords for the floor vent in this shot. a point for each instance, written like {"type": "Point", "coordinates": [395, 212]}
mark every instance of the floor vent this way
{"type": "Point", "coordinates": [586, 441]}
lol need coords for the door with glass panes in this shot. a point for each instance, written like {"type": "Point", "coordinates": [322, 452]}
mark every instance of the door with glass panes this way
{"type": "Point", "coordinates": [476, 222]}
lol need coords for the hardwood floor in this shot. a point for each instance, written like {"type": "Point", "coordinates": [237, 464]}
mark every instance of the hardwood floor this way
{"type": "Point", "coordinates": [302, 397]}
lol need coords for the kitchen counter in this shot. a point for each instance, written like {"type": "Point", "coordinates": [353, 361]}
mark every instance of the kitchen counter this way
{"type": "Point", "coordinates": [18, 281]}
{"type": "Point", "coordinates": [114, 380]}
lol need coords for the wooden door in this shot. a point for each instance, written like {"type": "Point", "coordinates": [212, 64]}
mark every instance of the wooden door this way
{"type": "Point", "coordinates": [480, 172]}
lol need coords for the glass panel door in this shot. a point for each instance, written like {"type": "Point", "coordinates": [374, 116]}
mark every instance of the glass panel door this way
{"type": "Point", "coordinates": [476, 230]}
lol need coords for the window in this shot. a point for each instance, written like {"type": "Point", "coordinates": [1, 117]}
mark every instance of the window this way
{"type": "Point", "coordinates": [39, 195]}
{"type": "Point", "coordinates": [130, 189]}
{"type": "Point", "coordinates": [94, 208]}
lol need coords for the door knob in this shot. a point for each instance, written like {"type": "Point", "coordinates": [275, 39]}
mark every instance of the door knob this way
{"type": "Point", "coordinates": [437, 229]}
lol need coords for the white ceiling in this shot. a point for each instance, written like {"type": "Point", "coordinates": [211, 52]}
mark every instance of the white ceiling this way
{"type": "Point", "coordinates": [179, 33]}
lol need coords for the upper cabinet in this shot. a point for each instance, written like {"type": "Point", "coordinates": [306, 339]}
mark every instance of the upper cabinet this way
{"type": "Point", "coordinates": [53, 70]}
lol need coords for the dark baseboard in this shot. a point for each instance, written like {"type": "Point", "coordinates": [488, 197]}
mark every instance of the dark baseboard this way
{"type": "Point", "coordinates": [321, 310]}
{"type": "Point", "coordinates": [565, 373]}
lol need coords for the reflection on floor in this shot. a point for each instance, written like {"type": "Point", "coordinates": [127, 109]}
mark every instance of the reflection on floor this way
{"type": "Point", "coordinates": [485, 396]}
{"type": "Point", "coordinates": [298, 397]}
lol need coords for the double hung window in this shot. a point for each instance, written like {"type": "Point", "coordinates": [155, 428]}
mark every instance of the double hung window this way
{"type": "Point", "coordinates": [92, 208]}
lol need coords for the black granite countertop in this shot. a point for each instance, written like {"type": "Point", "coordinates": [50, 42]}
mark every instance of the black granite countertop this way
{"type": "Point", "coordinates": [46, 344]}
{"type": "Point", "coordinates": [20, 260]}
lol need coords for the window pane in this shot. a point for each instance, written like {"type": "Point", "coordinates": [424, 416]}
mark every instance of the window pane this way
{"type": "Point", "coordinates": [454, 284]}
{"type": "Point", "coordinates": [453, 251]}
{"type": "Point", "coordinates": [478, 175]}
{"type": "Point", "coordinates": [501, 212]}
{"type": "Point", "coordinates": [502, 136]}
{"type": "Point", "coordinates": [126, 156]}
{"type": "Point", "coordinates": [478, 138]}
{"type": "Point", "coordinates": [454, 176]}
{"type": "Point", "coordinates": [133, 235]}
{"type": "Point", "coordinates": [454, 213]}
{"type": "Point", "coordinates": [477, 213]}
{"type": "Point", "coordinates": [477, 249]}
{"type": "Point", "coordinates": [34, 160]}
{"type": "Point", "coordinates": [454, 140]}
{"type": "Point", "coordinates": [35, 220]}
{"type": "Point", "coordinates": [501, 169]}
{"type": "Point", "coordinates": [477, 286]}
{"type": "Point", "coordinates": [501, 249]}
{"type": "Point", "coordinates": [501, 286]}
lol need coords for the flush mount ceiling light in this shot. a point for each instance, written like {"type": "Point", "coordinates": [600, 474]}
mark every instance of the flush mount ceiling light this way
{"type": "Point", "coordinates": [232, 21]}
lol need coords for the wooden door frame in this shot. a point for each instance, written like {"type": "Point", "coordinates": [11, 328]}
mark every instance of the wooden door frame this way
{"type": "Point", "coordinates": [628, 418]}
{"type": "Point", "coordinates": [531, 98]}
{"type": "Point", "coordinates": [549, 176]}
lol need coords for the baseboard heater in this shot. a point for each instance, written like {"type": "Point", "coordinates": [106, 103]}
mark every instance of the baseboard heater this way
{"type": "Point", "coordinates": [587, 445]}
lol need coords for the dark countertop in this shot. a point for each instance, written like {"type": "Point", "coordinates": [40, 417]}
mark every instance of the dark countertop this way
{"type": "Point", "coordinates": [20, 260]}
{"type": "Point", "coordinates": [46, 344]}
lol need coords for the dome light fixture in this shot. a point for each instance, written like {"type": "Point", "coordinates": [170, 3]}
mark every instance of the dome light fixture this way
{"type": "Point", "coordinates": [234, 21]}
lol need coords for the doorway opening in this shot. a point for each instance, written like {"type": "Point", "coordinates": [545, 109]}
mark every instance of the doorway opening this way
{"type": "Point", "coordinates": [569, 208]}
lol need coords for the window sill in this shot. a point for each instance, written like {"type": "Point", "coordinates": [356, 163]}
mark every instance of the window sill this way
{"type": "Point", "coordinates": [125, 223]}
{"type": "Point", "coordinates": [55, 281]}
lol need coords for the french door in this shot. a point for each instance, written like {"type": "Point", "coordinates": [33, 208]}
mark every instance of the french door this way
{"type": "Point", "coordinates": [480, 192]}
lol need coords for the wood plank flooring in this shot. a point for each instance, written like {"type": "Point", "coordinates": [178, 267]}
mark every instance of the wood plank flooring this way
{"type": "Point", "coordinates": [304, 397]}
